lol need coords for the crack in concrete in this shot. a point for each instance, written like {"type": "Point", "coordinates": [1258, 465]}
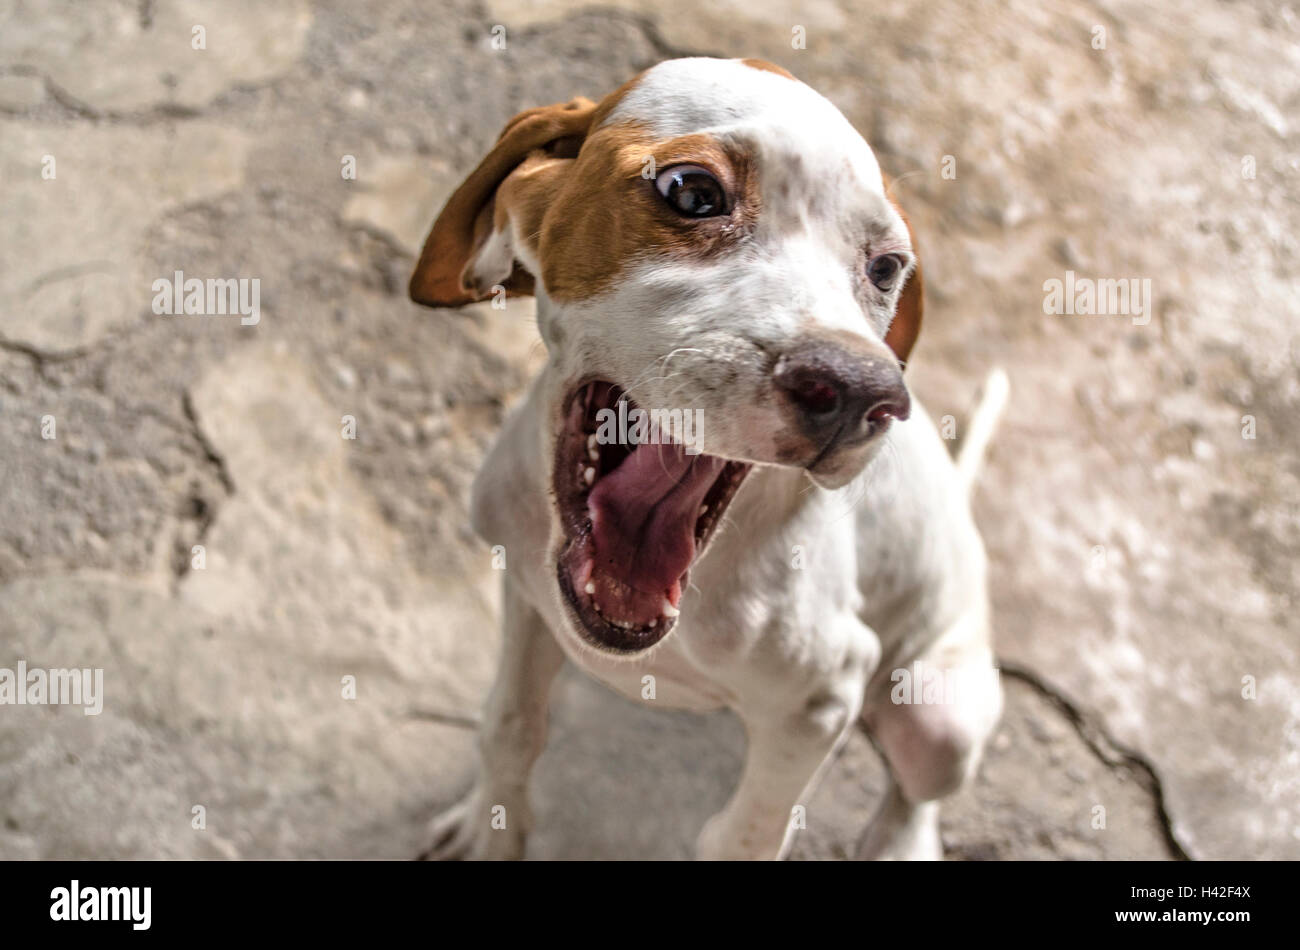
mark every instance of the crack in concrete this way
{"type": "Point", "coordinates": [392, 254]}
{"type": "Point", "coordinates": [444, 718]}
{"type": "Point", "coordinates": [105, 344]}
{"type": "Point", "coordinates": [1109, 751]}
{"type": "Point", "coordinates": [650, 30]}
{"type": "Point", "coordinates": [42, 358]}
{"type": "Point", "coordinates": [207, 513]}
{"type": "Point", "coordinates": [153, 114]}
{"type": "Point", "coordinates": [376, 234]}
{"type": "Point", "coordinates": [209, 450]}
{"type": "Point", "coordinates": [52, 89]}
{"type": "Point", "coordinates": [161, 112]}
{"type": "Point", "coordinates": [69, 272]}
{"type": "Point", "coordinates": [644, 23]}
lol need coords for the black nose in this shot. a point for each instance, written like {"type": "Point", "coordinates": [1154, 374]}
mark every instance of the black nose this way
{"type": "Point", "coordinates": [842, 394]}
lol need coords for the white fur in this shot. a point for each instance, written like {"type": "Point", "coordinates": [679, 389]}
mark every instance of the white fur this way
{"type": "Point", "coordinates": [892, 568]}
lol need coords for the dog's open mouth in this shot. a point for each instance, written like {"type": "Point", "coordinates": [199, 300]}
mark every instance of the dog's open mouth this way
{"type": "Point", "coordinates": [634, 518]}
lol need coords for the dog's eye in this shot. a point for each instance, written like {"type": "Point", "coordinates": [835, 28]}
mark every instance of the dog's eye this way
{"type": "Point", "coordinates": [692, 191]}
{"type": "Point", "coordinates": [884, 271]}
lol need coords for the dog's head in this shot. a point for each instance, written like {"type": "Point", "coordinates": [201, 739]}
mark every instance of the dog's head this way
{"type": "Point", "coordinates": [714, 246]}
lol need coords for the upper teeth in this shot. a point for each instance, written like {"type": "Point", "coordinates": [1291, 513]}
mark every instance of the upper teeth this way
{"type": "Point", "coordinates": [589, 475]}
{"type": "Point", "coordinates": [668, 609]}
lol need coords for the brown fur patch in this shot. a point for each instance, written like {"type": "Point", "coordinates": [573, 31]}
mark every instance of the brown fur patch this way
{"type": "Point", "coordinates": [911, 303]}
{"type": "Point", "coordinates": [606, 214]}
{"type": "Point", "coordinates": [765, 66]}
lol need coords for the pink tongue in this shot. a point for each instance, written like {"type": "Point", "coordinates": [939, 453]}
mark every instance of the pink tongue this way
{"type": "Point", "coordinates": [643, 517]}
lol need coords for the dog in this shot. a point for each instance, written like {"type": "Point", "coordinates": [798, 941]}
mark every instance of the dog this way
{"type": "Point", "coordinates": [715, 237]}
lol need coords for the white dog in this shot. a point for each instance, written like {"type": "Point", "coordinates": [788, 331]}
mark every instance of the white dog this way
{"type": "Point", "coordinates": [714, 245]}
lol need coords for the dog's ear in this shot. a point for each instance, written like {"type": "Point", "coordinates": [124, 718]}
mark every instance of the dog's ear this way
{"type": "Point", "coordinates": [470, 247]}
{"type": "Point", "coordinates": [907, 318]}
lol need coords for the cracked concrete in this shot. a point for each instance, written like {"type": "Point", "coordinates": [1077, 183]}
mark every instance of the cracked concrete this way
{"type": "Point", "coordinates": [122, 57]}
{"type": "Point", "coordinates": [1110, 753]}
{"type": "Point", "coordinates": [1144, 554]}
{"type": "Point", "coordinates": [77, 242]}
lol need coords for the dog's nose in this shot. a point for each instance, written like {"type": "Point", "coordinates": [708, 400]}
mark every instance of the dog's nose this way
{"type": "Point", "coordinates": [839, 394]}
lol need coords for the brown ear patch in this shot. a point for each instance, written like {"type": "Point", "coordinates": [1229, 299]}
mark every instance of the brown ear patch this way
{"type": "Point", "coordinates": [911, 302]}
{"type": "Point", "coordinates": [466, 219]}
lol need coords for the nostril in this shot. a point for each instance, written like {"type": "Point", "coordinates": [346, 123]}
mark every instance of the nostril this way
{"type": "Point", "coordinates": [816, 396]}
{"type": "Point", "coordinates": [836, 391]}
{"type": "Point", "coordinates": [889, 409]}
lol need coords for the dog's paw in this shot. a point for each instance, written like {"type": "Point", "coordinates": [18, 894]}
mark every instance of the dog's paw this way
{"type": "Point", "coordinates": [919, 842]}
{"type": "Point", "coordinates": [722, 840]}
{"type": "Point", "coordinates": [477, 828]}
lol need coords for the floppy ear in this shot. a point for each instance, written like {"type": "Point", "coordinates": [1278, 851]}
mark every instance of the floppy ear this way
{"type": "Point", "coordinates": [472, 246]}
{"type": "Point", "coordinates": [907, 319]}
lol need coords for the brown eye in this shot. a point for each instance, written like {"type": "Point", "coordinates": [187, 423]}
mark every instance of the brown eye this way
{"type": "Point", "coordinates": [884, 270]}
{"type": "Point", "coordinates": [691, 191]}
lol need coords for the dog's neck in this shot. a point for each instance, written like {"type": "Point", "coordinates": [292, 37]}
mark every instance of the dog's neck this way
{"type": "Point", "coordinates": [774, 495]}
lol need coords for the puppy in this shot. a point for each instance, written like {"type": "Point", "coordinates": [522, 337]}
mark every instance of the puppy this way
{"type": "Point", "coordinates": [713, 247]}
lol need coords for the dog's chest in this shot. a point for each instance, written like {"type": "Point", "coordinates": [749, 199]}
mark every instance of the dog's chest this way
{"type": "Point", "coordinates": [765, 610]}
{"type": "Point", "coordinates": [665, 679]}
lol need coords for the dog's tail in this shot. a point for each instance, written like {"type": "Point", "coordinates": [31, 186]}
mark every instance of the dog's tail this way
{"type": "Point", "coordinates": [983, 423]}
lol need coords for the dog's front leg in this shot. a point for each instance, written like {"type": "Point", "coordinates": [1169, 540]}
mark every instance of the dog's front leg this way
{"type": "Point", "coordinates": [786, 756]}
{"type": "Point", "coordinates": [493, 820]}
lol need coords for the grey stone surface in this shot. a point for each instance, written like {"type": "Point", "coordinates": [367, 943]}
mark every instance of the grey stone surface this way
{"type": "Point", "coordinates": [1144, 555]}
{"type": "Point", "coordinates": [120, 56]}
{"type": "Point", "coordinates": [75, 263]}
